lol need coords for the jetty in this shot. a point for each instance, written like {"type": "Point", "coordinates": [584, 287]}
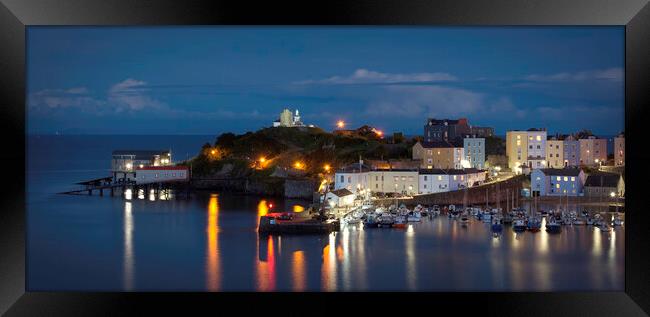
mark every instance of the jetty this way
{"type": "Point", "coordinates": [108, 186]}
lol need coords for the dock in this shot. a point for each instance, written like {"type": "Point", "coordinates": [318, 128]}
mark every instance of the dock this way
{"type": "Point", "coordinates": [105, 185]}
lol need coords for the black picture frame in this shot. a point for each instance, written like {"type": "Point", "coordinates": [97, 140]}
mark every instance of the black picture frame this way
{"type": "Point", "coordinates": [16, 15]}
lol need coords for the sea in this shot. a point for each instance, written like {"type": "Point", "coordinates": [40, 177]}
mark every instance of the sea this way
{"type": "Point", "coordinates": [210, 241]}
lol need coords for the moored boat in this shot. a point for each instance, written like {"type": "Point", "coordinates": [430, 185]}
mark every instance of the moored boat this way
{"type": "Point", "coordinates": [400, 222]}
{"type": "Point", "coordinates": [552, 226]}
{"type": "Point", "coordinates": [519, 224]}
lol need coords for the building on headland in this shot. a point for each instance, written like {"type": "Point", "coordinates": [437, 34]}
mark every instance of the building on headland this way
{"type": "Point", "coordinates": [571, 147]}
{"type": "Point", "coordinates": [619, 150]}
{"type": "Point", "coordinates": [555, 152]}
{"type": "Point", "coordinates": [440, 180]}
{"type": "Point", "coordinates": [436, 130]}
{"type": "Point", "coordinates": [289, 119]}
{"type": "Point", "coordinates": [606, 185]}
{"type": "Point", "coordinates": [593, 151]}
{"type": "Point", "coordinates": [474, 148]}
{"type": "Point", "coordinates": [125, 162]}
{"type": "Point", "coordinates": [439, 154]}
{"type": "Point", "coordinates": [557, 182]}
{"type": "Point", "coordinates": [526, 148]}
{"type": "Point", "coordinates": [157, 174]}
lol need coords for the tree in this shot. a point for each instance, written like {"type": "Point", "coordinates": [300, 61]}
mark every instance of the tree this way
{"type": "Point", "coordinates": [226, 140]}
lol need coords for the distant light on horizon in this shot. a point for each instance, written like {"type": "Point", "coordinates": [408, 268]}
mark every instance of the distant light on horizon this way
{"type": "Point", "coordinates": [340, 124]}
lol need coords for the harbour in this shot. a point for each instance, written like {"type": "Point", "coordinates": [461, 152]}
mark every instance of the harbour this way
{"type": "Point", "coordinates": [211, 243]}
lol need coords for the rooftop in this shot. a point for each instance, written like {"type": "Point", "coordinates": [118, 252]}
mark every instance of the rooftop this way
{"type": "Point", "coordinates": [142, 154]}
{"type": "Point", "coordinates": [354, 168]}
{"type": "Point", "coordinates": [560, 171]}
{"type": "Point", "coordinates": [439, 171]}
{"type": "Point", "coordinates": [440, 144]}
{"type": "Point", "coordinates": [341, 192]}
{"type": "Point", "coordinates": [602, 179]}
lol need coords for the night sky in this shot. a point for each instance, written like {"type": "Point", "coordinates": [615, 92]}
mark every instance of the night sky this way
{"type": "Point", "coordinates": [208, 80]}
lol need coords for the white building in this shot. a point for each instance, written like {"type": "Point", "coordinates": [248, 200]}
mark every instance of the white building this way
{"type": "Point", "coordinates": [340, 198]}
{"type": "Point", "coordinates": [536, 148]}
{"type": "Point", "coordinates": [353, 177]}
{"type": "Point", "coordinates": [125, 162]}
{"type": "Point", "coordinates": [288, 119]}
{"type": "Point", "coordinates": [557, 182]}
{"type": "Point", "coordinates": [401, 181]}
{"type": "Point", "coordinates": [156, 174]}
{"type": "Point", "coordinates": [439, 180]}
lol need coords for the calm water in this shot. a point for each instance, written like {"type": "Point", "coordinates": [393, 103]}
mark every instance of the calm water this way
{"type": "Point", "coordinates": [210, 242]}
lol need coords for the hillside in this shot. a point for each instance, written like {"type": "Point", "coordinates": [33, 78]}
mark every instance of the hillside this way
{"type": "Point", "coordinates": [292, 151]}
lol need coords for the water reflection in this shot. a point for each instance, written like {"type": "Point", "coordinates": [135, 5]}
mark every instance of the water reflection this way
{"type": "Point", "coordinates": [411, 269]}
{"type": "Point", "coordinates": [265, 260]}
{"type": "Point", "coordinates": [128, 194]}
{"type": "Point", "coordinates": [213, 265]}
{"type": "Point", "coordinates": [298, 271]}
{"type": "Point", "coordinates": [129, 260]}
{"type": "Point", "coordinates": [328, 269]}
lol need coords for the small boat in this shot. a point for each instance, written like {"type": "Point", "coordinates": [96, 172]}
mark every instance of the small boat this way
{"type": "Point", "coordinates": [464, 220]}
{"type": "Point", "coordinates": [386, 221]}
{"type": "Point", "coordinates": [590, 221]}
{"type": "Point", "coordinates": [451, 208]}
{"type": "Point", "coordinates": [400, 222]}
{"type": "Point", "coordinates": [579, 221]}
{"type": "Point", "coordinates": [534, 224]}
{"type": "Point", "coordinates": [604, 227]}
{"type": "Point", "coordinates": [436, 210]}
{"type": "Point", "coordinates": [486, 217]}
{"type": "Point", "coordinates": [617, 220]}
{"type": "Point", "coordinates": [352, 220]}
{"type": "Point", "coordinates": [414, 216]}
{"type": "Point", "coordinates": [552, 226]}
{"type": "Point", "coordinates": [371, 221]}
{"type": "Point", "coordinates": [519, 225]}
{"type": "Point", "coordinates": [496, 225]}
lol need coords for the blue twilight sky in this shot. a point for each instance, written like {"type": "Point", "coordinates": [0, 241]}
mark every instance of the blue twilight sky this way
{"type": "Point", "coordinates": [207, 80]}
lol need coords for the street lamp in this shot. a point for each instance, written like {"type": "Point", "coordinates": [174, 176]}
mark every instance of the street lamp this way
{"type": "Point", "coordinates": [612, 194]}
{"type": "Point", "coordinates": [340, 124]}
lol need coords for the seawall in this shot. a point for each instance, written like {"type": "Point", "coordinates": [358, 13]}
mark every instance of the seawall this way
{"type": "Point", "coordinates": [494, 192]}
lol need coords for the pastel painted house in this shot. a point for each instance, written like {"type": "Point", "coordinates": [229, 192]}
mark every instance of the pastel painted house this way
{"type": "Point", "coordinates": [557, 182]}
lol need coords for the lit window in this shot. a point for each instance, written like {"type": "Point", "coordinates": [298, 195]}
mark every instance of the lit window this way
{"type": "Point", "coordinates": [539, 138]}
{"type": "Point", "coordinates": [395, 178]}
{"type": "Point", "coordinates": [573, 179]}
{"type": "Point", "coordinates": [557, 185]}
{"type": "Point", "coordinates": [454, 177]}
{"type": "Point", "coordinates": [439, 177]}
{"type": "Point", "coordinates": [558, 178]}
{"type": "Point", "coordinates": [518, 142]}
{"type": "Point", "coordinates": [566, 179]}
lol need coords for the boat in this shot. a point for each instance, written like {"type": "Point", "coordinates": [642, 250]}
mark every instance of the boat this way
{"type": "Point", "coordinates": [552, 226]}
{"type": "Point", "coordinates": [371, 221]}
{"type": "Point", "coordinates": [604, 227]}
{"type": "Point", "coordinates": [436, 210]}
{"type": "Point", "coordinates": [400, 222]}
{"type": "Point", "coordinates": [486, 217]}
{"type": "Point", "coordinates": [590, 221]}
{"type": "Point", "coordinates": [617, 220]}
{"type": "Point", "coordinates": [496, 225]}
{"type": "Point", "coordinates": [351, 220]}
{"type": "Point", "coordinates": [579, 221]}
{"type": "Point", "coordinates": [507, 219]}
{"type": "Point", "coordinates": [534, 224]}
{"type": "Point", "coordinates": [414, 216]}
{"type": "Point", "coordinates": [451, 208]}
{"type": "Point", "coordinates": [519, 224]}
{"type": "Point", "coordinates": [386, 221]}
{"type": "Point", "coordinates": [464, 220]}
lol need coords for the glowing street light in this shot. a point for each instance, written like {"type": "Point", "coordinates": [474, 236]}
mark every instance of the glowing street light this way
{"type": "Point", "coordinates": [262, 159]}
{"type": "Point", "coordinates": [213, 152]}
{"type": "Point", "coordinates": [340, 124]}
{"type": "Point", "coordinates": [326, 167]}
{"type": "Point", "coordinates": [612, 194]}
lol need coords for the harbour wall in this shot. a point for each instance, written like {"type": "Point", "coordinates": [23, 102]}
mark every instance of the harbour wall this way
{"type": "Point", "coordinates": [494, 192]}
